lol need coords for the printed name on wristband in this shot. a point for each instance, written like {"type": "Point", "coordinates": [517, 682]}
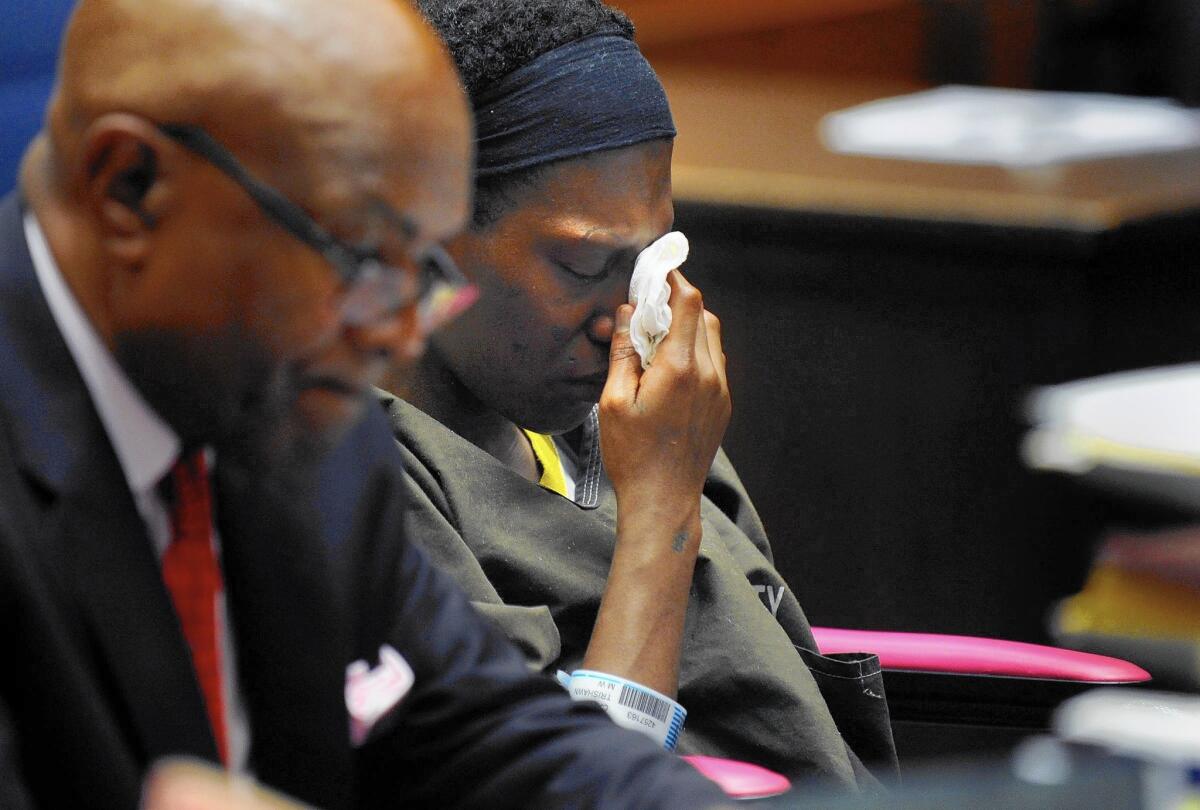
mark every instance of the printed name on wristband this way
{"type": "Point", "coordinates": [631, 705]}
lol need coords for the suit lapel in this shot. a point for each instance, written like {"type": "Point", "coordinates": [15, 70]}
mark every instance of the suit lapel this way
{"type": "Point", "coordinates": [66, 718]}
{"type": "Point", "coordinates": [293, 639]}
{"type": "Point", "coordinates": [114, 571]}
{"type": "Point", "coordinates": [91, 538]}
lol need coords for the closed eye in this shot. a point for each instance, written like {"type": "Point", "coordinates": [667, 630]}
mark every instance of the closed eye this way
{"type": "Point", "coordinates": [584, 271]}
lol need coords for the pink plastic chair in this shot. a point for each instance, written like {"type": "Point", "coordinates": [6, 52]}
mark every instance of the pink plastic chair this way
{"type": "Point", "coordinates": [960, 680]}
{"type": "Point", "coordinates": [739, 780]}
{"type": "Point", "coordinates": [970, 655]}
{"type": "Point", "coordinates": [951, 695]}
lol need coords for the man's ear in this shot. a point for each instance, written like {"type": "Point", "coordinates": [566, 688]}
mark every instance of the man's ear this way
{"type": "Point", "coordinates": [130, 184]}
{"type": "Point", "coordinates": [120, 175]}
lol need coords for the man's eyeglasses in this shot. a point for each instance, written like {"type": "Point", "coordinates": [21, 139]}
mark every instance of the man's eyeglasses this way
{"type": "Point", "coordinates": [373, 290]}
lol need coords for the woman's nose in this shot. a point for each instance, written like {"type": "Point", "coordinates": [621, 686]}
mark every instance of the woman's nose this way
{"type": "Point", "coordinates": [615, 293]}
{"type": "Point", "coordinates": [600, 328]}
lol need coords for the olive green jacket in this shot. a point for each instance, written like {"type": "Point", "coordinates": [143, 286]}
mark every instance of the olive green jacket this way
{"type": "Point", "coordinates": [536, 564]}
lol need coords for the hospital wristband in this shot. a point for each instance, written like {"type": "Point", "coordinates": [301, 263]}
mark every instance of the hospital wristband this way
{"type": "Point", "coordinates": [631, 705]}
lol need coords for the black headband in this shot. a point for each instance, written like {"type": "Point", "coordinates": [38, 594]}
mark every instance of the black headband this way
{"type": "Point", "coordinates": [586, 96]}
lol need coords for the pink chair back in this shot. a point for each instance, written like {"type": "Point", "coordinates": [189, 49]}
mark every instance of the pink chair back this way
{"type": "Point", "coordinates": [933, 652]}
{"type": "Point", "coordinates": [739, 780]}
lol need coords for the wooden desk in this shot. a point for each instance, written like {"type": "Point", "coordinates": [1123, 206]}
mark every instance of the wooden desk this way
{"type": "Point", "coordinates": [752, 139]}
{"type": "Point", "coordinates": [883, 321]}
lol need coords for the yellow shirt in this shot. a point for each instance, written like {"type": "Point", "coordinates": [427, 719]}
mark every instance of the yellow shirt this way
{"type": "Point", "coordinates": [544, 449]}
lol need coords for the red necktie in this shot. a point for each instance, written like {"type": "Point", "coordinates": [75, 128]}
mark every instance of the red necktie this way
{"type": "Point", "coordinates": [194, 579]}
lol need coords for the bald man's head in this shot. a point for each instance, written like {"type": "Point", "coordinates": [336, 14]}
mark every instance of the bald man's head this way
{"type": "Point", "coordinates": [298, 83]}
{"type": "Point", "coordinates": [351, 110]}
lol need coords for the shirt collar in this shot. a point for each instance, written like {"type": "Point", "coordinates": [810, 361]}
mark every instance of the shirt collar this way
{"type": "Point", "coordinates": [587, 460]}
{"type": "Point", "coordinates": [145, 445]}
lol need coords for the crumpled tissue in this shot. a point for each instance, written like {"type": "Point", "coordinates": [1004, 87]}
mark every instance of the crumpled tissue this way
{"type": "Point", "coordinates": [649, 292]}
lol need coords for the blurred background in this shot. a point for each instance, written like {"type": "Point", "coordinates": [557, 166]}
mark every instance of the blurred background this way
{"type": "Point", "coordinates": [885, 318]}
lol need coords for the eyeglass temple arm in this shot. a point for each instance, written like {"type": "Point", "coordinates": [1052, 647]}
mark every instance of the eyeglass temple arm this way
{"type": "Point", "coordinates": [289, 215]}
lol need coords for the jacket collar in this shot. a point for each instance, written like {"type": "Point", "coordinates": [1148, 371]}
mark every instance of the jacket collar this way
{"type": "Point", "coordinates": [50, 415]}
{"type": "Point", "coordinates": [145, 445]}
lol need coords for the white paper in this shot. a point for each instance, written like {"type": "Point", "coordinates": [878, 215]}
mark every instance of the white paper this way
{"type": "Point", "coordinates": [1142, 723]}
{"type": "Point", "coordinates": [649, 293]}
{"type": "Point", "coordinates": [1013, 128]}
{"type": "Point", "coordinates": [1136, 418]}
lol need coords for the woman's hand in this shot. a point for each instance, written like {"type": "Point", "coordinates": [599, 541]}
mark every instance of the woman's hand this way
{"type": "Point", "coordinates": [659, 431]}
{"type": "Point", "coordinates": [660, 428]}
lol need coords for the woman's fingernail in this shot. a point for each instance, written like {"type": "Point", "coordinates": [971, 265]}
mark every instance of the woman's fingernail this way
{"type": "Point", "coordinates": [624, 317]}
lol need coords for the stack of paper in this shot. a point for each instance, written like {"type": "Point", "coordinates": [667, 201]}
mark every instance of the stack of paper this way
{"type": "Point", "coordinates": [1137, 433]}
{"type": "Point", "coordinates": [1014, 128]}
{"type": "Point", "coordinates": [1159, 729]}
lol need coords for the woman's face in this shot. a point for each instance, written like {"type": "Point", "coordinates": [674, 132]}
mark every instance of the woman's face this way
{"type": "Point", "coordinates": [552, 271]}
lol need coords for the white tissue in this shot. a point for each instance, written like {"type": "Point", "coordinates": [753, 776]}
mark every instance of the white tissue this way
{"type": "Point", "coordinates": [649, 291]}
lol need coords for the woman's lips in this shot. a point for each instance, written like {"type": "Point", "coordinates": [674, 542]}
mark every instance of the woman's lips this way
{"type": "Point", "coordinates": [586, 387]}
{"type": "Point", "coordinates": [598, 378]}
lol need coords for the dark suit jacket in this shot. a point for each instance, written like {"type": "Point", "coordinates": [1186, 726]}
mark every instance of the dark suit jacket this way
{"type": "Point", "coordinates": [96, 675]}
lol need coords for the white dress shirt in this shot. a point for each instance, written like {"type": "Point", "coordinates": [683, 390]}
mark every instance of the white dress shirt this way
{"type": "Point", "coordinates": [146, 448]}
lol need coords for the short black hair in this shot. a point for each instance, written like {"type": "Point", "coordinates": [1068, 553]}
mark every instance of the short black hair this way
{"type": "Point", "coordinates": [488, 39]}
